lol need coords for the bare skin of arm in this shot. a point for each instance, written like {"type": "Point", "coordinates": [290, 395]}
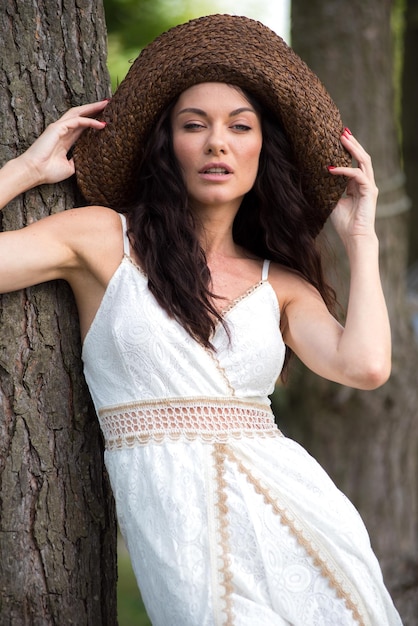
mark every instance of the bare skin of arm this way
{"type": "Point", "coordinates": [83, 246]}
{"type": "Point", "coordinates": [358, 355]}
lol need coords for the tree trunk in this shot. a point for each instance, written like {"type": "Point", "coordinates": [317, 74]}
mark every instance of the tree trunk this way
{"type": "Point", "coordinates": [368, 441]}
{"type": "Point", "coordinates": [57, 526]}
{"type": "Point", "coordinates": [410, 119]}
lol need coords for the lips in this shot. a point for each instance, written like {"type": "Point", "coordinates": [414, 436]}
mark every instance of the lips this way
{"type": "Point", "coordinates": [215, 170]}
{"type": "Point", "coordinates": [219, 169]}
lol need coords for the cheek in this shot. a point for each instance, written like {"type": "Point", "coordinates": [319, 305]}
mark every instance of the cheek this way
{"type": "Point", "coordinates": [252, 149]}
{"type": "Point", "coordinates": [184, 154]}
{"type": "Point", "coordinates": [253, 157]}
{"type": "Point", "coordinates": [178, 150]}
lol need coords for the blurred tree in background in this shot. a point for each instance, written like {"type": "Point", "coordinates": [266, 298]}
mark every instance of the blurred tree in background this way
{"type": "Point", "coordinates": [137, 22]}
{"type": "Point", "coordinates": [368, 441]}
{"type": "Point", "coordinates": [409, 123]}
{"type": "Point", "coordinates": [132, 24]}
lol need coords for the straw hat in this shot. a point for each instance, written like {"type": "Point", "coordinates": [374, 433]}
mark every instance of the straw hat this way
{"type": "Point", "coordinates": [216, 48]}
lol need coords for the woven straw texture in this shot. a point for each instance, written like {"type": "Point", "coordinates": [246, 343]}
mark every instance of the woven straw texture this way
{"type": "Point", "coordinates": [216, 48]}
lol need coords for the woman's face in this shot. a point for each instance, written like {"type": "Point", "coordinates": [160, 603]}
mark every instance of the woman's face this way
{"type": "Point", "coordinates": [217, 140]}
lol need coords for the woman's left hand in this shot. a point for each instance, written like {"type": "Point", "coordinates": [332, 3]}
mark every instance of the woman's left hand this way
{"type": "Point", "coordinates": [354, 214]}
{"type": "Point", "coordinates": [324, 346]}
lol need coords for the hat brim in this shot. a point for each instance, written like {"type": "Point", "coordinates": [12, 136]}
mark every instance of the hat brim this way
{"type": "Point", "coordinates": [216, 48]}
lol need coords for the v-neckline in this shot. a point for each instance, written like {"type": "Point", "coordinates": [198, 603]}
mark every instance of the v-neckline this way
{"type": "Point", "coordinates": [232, 303]}
{"type": "Point", "coordinates": [235, 301]}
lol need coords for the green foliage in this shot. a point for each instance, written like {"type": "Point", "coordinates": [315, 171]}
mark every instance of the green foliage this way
{"type": "Point", "coordinates": [137, 22]}
{"type": "Point", "coordinates": [132, 24]}
{"type": "Point", "coordinates": [130, 608]}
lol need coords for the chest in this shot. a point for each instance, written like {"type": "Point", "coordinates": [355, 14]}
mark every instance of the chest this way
{"type": "Point", "coordinates": [148, 353]}
{"type": "Point", "coordinates": [233, 279]}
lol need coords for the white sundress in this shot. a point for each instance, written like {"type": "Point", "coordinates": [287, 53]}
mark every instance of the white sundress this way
{"type": "Point", "coordinates": [227, 521]}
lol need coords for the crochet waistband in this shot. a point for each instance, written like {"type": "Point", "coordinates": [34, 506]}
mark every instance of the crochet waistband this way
{"type": "Point", "coordinates": [208, 419]}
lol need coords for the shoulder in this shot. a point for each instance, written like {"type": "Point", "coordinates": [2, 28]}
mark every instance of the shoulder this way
{"type": "Point", "coordinates": [296, 295]}
{"type": "Point", "coordinates": [88, 218]}
{"type": "Point", "coordinates": [86, 229]}
{"type": "Point", "coordinates": [92, 237]}
{"type": "Point", "coordinates": [69, 224]}
{"type": "Point", "coordinates": [289, 284]}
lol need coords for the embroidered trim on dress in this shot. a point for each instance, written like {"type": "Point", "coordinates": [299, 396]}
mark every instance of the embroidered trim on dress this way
{"type": "Point", "coordinates": [221, 513]}
{"type": "Point", "coordinates": [233, 303]}
{"type": "Point", "coordinates": [208, 419]}
{"type": "Point", "coordinates": [136, 266]}
{"type": "Point", "coordinates": [220, 369]}
{"type": "Point", "coordinates": [329, 569]}
{"type": "Point", "coordinates": [224, 313]}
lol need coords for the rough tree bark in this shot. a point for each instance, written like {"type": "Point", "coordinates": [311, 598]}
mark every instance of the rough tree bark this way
{"type": "Point", "coordinates": [57, 528]}
{"type": "Point", "coordinates": [368, 441]}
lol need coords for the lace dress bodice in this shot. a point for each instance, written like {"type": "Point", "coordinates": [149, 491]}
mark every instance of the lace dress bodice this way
{"type": "Point", "coordinates": [135, 352]}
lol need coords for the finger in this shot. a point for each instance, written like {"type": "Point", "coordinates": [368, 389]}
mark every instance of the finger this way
{"type": "Point", "coordinates": [357, 151]}
{"type": "Point", "coordinates": [86, 110]}
{"type": "Point", "coordinates": [61, 135]}
{"type": "Point", "coordinates": [356, 175]}
{"type": "Point", "coordinates": [71, 166]}
{"type": "Point", "coordinates": [72, 128]}
{"type": "Point", "coordinates": [80, 123]}
{"type": "Point", "coordinates": [364, 163]}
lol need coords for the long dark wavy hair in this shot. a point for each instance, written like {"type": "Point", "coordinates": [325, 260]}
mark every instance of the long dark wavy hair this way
{"type": "Point", "coordinates": [272, 222]}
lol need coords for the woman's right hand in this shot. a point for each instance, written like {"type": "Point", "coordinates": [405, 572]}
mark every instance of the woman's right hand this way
{"type": "Point", "coordinates": [46, 160]}
{"type": "Point", "coordinates": [53, 247]}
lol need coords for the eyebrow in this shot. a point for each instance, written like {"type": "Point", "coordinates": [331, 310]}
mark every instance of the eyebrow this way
{"type": "Point", "coordinates": [204, 114]}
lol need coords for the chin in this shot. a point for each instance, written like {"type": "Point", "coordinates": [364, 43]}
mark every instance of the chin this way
{"type": "Point", "coordinates": [216, 201]}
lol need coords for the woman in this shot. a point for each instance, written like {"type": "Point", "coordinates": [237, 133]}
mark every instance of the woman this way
{"type": "Point", "coordinates": [217, 166]}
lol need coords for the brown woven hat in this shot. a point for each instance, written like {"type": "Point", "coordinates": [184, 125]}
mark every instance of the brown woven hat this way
{"type": "Point", "coordinates": [216, 48]}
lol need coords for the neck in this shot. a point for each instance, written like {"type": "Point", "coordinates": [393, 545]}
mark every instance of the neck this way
{"type": "Point", "coordinates": [216, 238]}
{"type": "Point", "coordinates": [215, 231]}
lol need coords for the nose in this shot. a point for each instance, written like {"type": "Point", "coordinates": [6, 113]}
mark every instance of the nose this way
{"type": "Point", "coordinates": [216, 143]}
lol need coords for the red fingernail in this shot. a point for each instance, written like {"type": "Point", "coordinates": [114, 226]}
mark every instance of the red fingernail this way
{"type": "Point", "coordinates": [331, 167]}
{"type": "Point", "coordinates": [104, 123]}
{"type": "Point", "coordinates": [348, 131]}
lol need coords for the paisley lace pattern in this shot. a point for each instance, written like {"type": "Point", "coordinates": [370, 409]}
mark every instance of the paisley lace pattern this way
{"type": "Point", "coordinates": [317, 563]}
{"type": "Point", "coordinates": [135, 352]}
{"type": "Point", "coordinates": [227, 544]}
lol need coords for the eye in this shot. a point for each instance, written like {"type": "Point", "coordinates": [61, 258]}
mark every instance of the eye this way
{"type": "Point", "coordinates": [193, 126]}
{"type": "Point", "coordinates": [241, 127]}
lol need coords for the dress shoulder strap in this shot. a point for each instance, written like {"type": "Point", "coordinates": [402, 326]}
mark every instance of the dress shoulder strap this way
{"type": "Point", "coordinates": [126, 245]}
{"type": "Point", "coordinates": [265, 270]}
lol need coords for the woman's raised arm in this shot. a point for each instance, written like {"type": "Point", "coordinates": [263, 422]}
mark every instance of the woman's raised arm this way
{"type": "Point", "coordinates": [358, 355]}
{"type": "Point", "coordinates": [46, 161]}
{"type": "Point", "coordinates": [42, 251]}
